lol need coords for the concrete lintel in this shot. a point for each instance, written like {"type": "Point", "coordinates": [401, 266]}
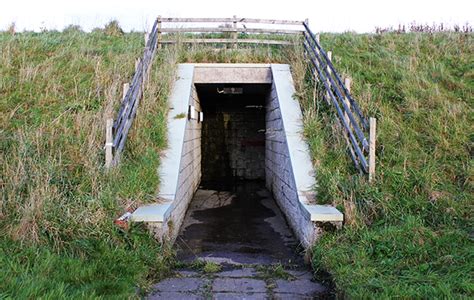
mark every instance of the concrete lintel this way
{"type": "Point", "coordinates": [232, 73]}
{"type": "Point", "coordinates": [150, 213]}
{"type": "Point", "coordinates": [232, 66]}
{"type": "Point", "coordinates": [324, 213]}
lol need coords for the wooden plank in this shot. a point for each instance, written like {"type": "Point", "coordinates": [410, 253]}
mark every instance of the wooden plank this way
{"type": "Point", "coordinates": [372, 138]}
{"type": "Point", "coordinates": [228, 29]}
{"type": "Point", "coordinates": [230, 20]}
{"type": "Point", "coordinates": [229, 41]}
{"type": "Point", "coordinates": [269, 21]}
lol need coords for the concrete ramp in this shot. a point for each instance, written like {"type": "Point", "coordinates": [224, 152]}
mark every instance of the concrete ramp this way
{"type": "Point", "coordinates": [288, 173]}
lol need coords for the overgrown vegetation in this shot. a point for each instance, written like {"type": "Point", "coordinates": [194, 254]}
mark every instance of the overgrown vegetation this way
{"type": "Point", "coordinates": [58, 204]}
{"type": "Point", "coordinates": [410, 233]}
{"type": "Point", "coordinates": [407, 235]}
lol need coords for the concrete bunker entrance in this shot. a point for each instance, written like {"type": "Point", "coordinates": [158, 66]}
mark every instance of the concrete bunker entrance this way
{"type": "Point", "coordinates": [232, 217]}
{"type": "Point", "coordinates": [243, 125]}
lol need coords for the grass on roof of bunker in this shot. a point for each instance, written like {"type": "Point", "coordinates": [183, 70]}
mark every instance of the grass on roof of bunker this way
{"type": "Point", "coordinates": [58, 204]}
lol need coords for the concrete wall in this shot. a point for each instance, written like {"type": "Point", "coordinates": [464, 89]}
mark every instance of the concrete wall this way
{"type": "Point", "coordinates": [287, 161]}
{"type": "Point", "coordinates": [288, 168]}
{"type": "Point", "coordinates": [189, 170]}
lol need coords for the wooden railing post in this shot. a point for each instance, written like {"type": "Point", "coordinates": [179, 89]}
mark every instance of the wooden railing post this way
{"type": "Point", "coordinates": [347, 83]}
{"type": "Point", "coordinates": [234, 34]}
{"type": "Point", "coordinates": [125, 88]}
{"type": "Point", "coordinates": [372, 138]}
{"type": "Point", "coordinates": [327, 79]}
{"type": "Point", "coordinates": [158, 35]}
{"type": "Point", "coordinates": [108, 142]}
{"type": "Point", "coordinates": [137, 62]}
{"type": "Point", "coordinates": [146, 37]}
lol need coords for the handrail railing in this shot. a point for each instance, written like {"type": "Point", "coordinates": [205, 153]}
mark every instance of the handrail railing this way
{"type": "Point", "coordinates": [232, 26]}
{"type": "Point", "coordinates": [359, 133]}
{"type": "Point", "coordinates": [117, 131]}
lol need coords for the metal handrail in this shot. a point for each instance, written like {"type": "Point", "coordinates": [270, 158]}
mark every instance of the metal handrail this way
{"type": "Point", "coordinates": [337, 94]}
{"type": "Point", "coordinates": [338, 78]}
{"type": "Point", "coordinates": [128, 108]}
{"type": "Point", "coordinates": [350, 116]}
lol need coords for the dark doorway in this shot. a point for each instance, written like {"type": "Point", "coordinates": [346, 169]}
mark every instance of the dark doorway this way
{"type": "Point", "coordinates": [233, 133]}
{"type": "Point", "coordinates": [233, 217]}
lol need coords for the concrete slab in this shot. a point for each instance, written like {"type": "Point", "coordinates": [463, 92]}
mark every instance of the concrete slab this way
{"type": "Point", "coordinates": [174, 296]}
{"type": "Point", "coordinates": [239, 285]}
{"type": "Point", "coordinates": [181, 285]}
{"type": "Point", "coordinates": [240, 296]}
{"type": "Point", "coordinates": [324, 213]}
{"type": "Point", "coordinates": [150, 213]}
{"type": "Point", "coordinates": [302, 287]}
{"type": "Point", "coordinates": [244, 272]}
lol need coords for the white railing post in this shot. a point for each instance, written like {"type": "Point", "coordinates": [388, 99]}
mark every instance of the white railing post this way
{"type": "Point", "coordinates": [372, 138]}
{"type": "Point", "coordinates": [108, 142]}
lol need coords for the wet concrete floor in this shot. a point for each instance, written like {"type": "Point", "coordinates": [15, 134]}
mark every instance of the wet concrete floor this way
{"type": "Point", "coordinates": [243, 226]}
{"type": "Point", "coordinates": [244, 232]}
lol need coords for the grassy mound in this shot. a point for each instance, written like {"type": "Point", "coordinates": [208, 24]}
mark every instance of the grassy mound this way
{"type": "Point", "coordinates": [57, 203]}
{"type": "Point", "coordinates": [407, 235]}
{"type": "Point", "coordinates": [410, 233]}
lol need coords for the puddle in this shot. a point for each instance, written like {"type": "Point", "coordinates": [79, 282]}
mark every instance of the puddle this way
{"type": "Point", "coordinates": [238, 226]}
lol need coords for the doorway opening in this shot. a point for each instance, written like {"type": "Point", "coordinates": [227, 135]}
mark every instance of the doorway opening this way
{"type": "Point", "coordinates": [232, 217]}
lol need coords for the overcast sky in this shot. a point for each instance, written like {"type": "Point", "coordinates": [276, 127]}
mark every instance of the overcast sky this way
{"type": "Point", "coordinates": [341, 15]}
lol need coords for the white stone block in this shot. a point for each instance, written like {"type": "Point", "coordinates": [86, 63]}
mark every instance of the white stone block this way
{"type": "Point", "coordinates": [150, 213]}
{"type": "Point", "coordinates": [324, 213]}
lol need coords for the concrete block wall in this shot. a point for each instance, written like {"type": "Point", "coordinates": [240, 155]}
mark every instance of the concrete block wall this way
{"type": "Point", "coordinates": [288, 169]}
{"type": "Point", "coordinates": [233, 139]}
{"type": "Point", "coordinates": [189, 170]}
{"type": "Point", "coordinates": [282, 168]}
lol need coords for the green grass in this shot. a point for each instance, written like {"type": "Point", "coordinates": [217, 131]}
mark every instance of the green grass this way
{"type": "Point", "coordinates": [409, 234]}
{"type": "Point", "coordinates": [58, 203]}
